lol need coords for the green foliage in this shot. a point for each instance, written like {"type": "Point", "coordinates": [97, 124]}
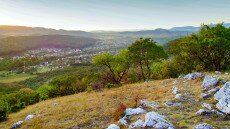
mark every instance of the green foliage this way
{"type": "Point", "coordinates": [10, 87]}
{"type": "Point", "coordinates": [115, 67]}
{"type": "Point", "coordinates": [45, 92]}
{"type": "Point", "coordinates": [207, 50]}
{"type": "Point", "coordinates": [164, 69]}
{"type": "Point", "coordinates": [143, 53]}
{"type": "Point", "coordinates": [13, 102]}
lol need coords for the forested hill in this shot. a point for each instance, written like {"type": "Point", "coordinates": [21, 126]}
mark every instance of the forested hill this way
{"type": "Point", "coordinates": [17, 44]}
{"type": "Point", "coordinates": [27, 31]}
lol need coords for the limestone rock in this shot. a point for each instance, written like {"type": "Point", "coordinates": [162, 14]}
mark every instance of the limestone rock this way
{"type": "Point", "coordinates": [113, 126]}
{"type": "Point", "coordinates": [123, 121]}
{"type": "Point", "coordinates": [208, 106]}
{"type": "Point", "coordinates": [29, 117]}
{"type": "Point", "coordinates": [204, 112]}
{"type": "Point", "coordinates": [133, 111]}
{"type": "Point", "coordinates": [16, 125]}
{"type": "Point", "coordinates": [175, 90]}
{"type": "Point", "coordinates": [193, 76]}
{"type": "Point", "coordinates": [204, 126]}
{"type": "Point", "coordinates": [209, 81]}
{"type": "Point", "coordinates": [223, 92]}
{"type": "Point", "coordinates": [138, 124]}
{"type": "Point", "coordinates": [172, 103]}
{"type": "Point", "coordinates": [145, 103]}
{"type": "Point", "coordinates": [153, 119]}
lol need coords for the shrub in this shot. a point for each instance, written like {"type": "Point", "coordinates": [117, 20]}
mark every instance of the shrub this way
{"type": "Point", "coordinates": [45, 92]}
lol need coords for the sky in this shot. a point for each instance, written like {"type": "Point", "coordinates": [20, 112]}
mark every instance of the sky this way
{"type": "Point", "coordinates": [91, 15]}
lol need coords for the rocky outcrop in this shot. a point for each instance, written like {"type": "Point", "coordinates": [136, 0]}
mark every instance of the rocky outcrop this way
{"type": "Point", "coordinates": [204, 126]}
{"type": "Point", "coordinates": [209, 81]}
{"type": "Point", "coordinates": [113, 126]}
{"type": "Point", "coordinates": [153, 119]}
{"type": "Point", "coordinates": [210, 92]}
{"type": "Point", "coordinates": [124, 120]}
{"type": "Point", "coordinates": [16, 125]}
{"type": "Point", "coordinates": [223, 96]}
{"type": "Point", "coordinates": [193, 76]}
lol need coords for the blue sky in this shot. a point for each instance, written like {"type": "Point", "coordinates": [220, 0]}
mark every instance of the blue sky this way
{"type": "Point", "coordinates": [112, 14]}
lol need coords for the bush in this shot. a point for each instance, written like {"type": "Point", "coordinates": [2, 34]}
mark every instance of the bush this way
{"type": "Point", "coordinates": [3, 110]}
{"type": "Point", "coordinates": [165, 69]}
{"type": "Point", "coordinates": [45, 92]}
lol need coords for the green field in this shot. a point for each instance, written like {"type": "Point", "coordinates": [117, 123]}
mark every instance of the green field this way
{"type": "Point", "coordinates": [9, 77]}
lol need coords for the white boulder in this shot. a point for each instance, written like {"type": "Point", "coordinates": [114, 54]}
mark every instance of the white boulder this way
{"type": "Point", "coordinates": [134, 111]}
{"type": "Point", "coordinates": [178, 96]}
{"type": "Point", "coordinates": [208, 106]}
{"type": "Point", "coordinates": [16, 125]}
{"type": "Point", "coordinates": [153, 119]}
{"type": "Point", "coordinates": [172, 103]}
{"type": "Point", "coordinates": [193, 76]}
{"type": "Point", "coordinates": [209, 81]}
{"type": "Point", "coordinates": [223, 92]}
{"type": "Point", "coordinates": [204, 126]}
{"type": "Point", "coordinates": [29, 117]}
{"type": "Point", "coordinates": [113, 126]}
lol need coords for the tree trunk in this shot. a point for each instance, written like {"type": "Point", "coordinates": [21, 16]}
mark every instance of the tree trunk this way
{"type": "Point", "coordinates": [142, 71]}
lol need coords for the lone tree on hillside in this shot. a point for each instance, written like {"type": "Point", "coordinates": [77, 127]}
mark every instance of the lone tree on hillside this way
{"type": "Point", "coordinates": [115, 66]}
{"type": "Point", "coordinates": [143, 53]}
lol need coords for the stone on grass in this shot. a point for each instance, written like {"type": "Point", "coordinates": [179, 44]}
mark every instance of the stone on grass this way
{"type": "Point", "coordinates": [209, 81]}
{"type": "Point", "coordinates": [204, 112]}
{"type": "Point", "coordinates": [29, 117]}
{"type": "Point", "coordinates": [113, 126]}
{"type": "Point", "coordinates": [175, 90]}
{"type": "Point", "coordinates": [178, 96]}
{"type": "Point", "coordinates": [172, 103]}
{"type": "Point", "coordinates": [218, 72]}
{"type": "Point", "coordinates": [193, 76]}
{"type": "Point", "coordinates": [207, 105]}
{"type": "Point", "coordinates": [138, 124]}
{"type": "Point", "coordinates": [133, 111]}
{"type": "Point", "coordinates": [16, 125]}
{"type": "Point", "coordinates": [153, 119]}
{"type": "Point", "coordinates": [204, 126]}
{"type": "Point", "coordinates": [210, 92]}
{"type": "Point", "coordinates": [145, 103]}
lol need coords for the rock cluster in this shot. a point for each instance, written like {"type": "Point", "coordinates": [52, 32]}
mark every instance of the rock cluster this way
{"type": "Point", "coordinates": [19, 123]}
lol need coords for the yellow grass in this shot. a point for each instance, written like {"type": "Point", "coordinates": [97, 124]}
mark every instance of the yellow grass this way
{"type": "Point", "coordinates": [95, 109]}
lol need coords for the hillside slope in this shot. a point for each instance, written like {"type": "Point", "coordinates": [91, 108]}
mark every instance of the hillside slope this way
{"type": "Point", "coordinates": [12, 45]}
{"type": "Point", "coordinates": [96, 109]}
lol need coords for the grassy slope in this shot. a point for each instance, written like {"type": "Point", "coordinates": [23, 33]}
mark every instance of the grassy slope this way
{"type": "Point", "coordinates": [95, 109]}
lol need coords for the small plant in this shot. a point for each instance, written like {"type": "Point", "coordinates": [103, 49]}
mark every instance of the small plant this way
{"type": "Point", "coordinates": [119, 112]}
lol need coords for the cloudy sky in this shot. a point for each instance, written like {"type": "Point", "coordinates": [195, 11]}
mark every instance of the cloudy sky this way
{"type": "Point", "coordinates": [112, 14]}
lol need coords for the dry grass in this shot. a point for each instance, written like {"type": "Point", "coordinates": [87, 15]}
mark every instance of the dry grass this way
{"type": "Point", "coordinates": [95, 109]}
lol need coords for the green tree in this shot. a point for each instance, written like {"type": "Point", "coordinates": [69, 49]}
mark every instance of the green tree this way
{"type": "Point", "coordinates": [143, 53]}
{"type": "Point", "coordinates": [209, 49]}
{"type": "Point", "coordinates": [116, 65]}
